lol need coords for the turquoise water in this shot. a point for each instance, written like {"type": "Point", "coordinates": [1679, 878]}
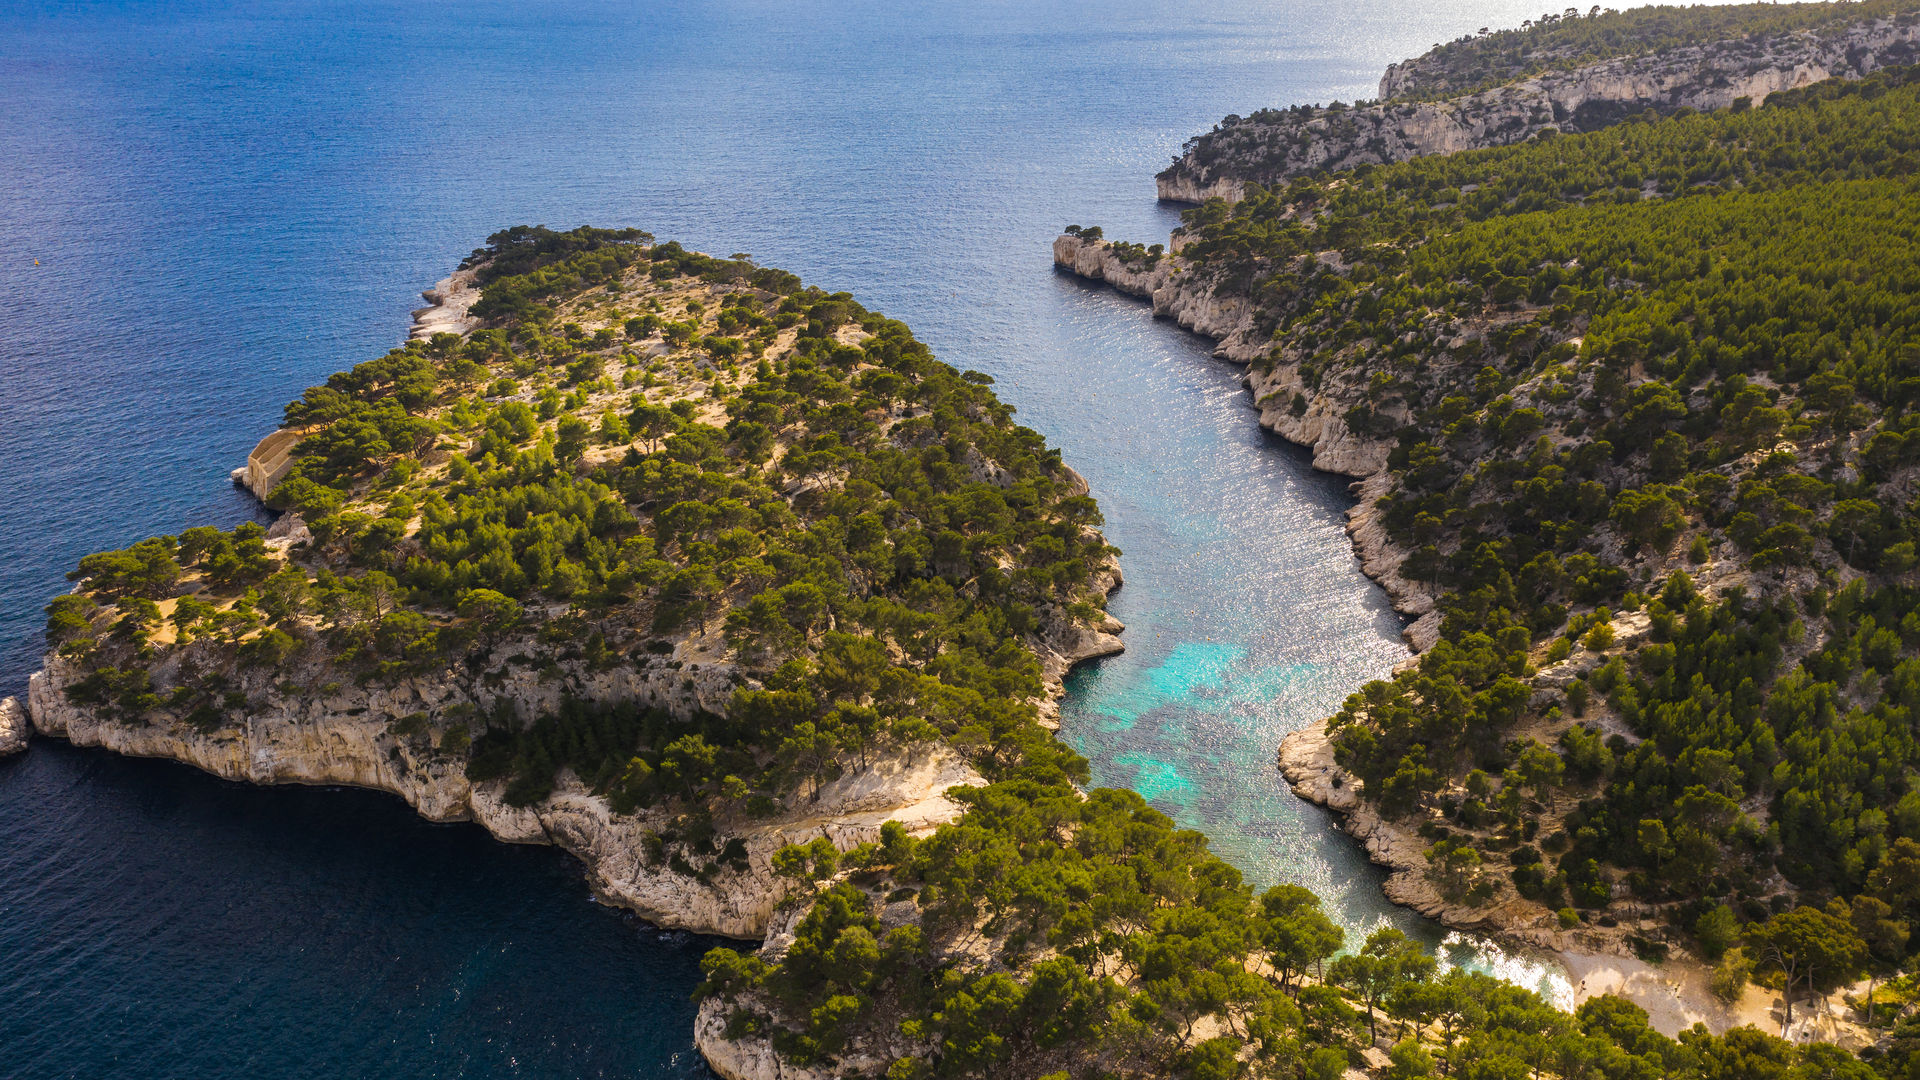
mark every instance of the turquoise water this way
{"type": "Point", "coordinates": [1247, 615]}
{"type": "Point", "coordinates": [207, 206]}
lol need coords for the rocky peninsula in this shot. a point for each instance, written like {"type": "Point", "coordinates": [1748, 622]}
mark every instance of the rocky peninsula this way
{"type": "Point", "coordinates": [16, 727]}
{"type": "Point", "coordinates": [574, 381]}
{"type": "Point", "coordinates": [348, 733]}
{"type": "Point", "coordinates": [1271, 147]}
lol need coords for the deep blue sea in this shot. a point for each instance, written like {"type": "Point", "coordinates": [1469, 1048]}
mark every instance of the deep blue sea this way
{"type": "Point", "coordinates": [205, 207]}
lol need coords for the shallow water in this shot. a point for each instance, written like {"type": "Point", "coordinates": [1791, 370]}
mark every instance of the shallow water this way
{"type": "Point", "coordinates": [207, 206]}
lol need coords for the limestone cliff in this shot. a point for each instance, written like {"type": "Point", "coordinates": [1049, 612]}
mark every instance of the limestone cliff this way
{"type": "Point", "coordinates": [15, 727]}
{"type": "Point", "coordinates": [1273, 146]}
{"type": "Point", "coordinates": [356, 735]}
{"type": "Point", "coordinates": [747, 1058]}
{"type": "Point", "coordinates": [449, 306]}
{"type": "Point", "coordinates": [348, 737]}
{"type": "Point", "coordinates": [312, 726]}
{"type": "Point", "coordinates": [1315, 417]}
{"type": "Point", "coordinates": [1306, 760]}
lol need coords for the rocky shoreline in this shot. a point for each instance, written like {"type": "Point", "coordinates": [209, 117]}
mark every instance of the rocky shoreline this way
{"type": "Point", "coordinates": [1272, 147]}
{"type": "Point", "coordinates": [15, 726]}
{"type": "Point", "coordinates": [352, 736]}
{"type": "Point", "coordinates": [1184, 187]}
{"type": "Point", "coordinates": [346, 737]}
{"type": "Point", "coordinates": [1176, 293]}
{"type": "Point", "coordinates": [1599, 960]}
{"type": "Point", "coordinates": [449, 306]}
{"type": "Point", "coordinates": [348, 740]}
{"type": "Point", "coordinates": [1306, 760]}
{"type": "Point", "coordinates": [1306, 756]}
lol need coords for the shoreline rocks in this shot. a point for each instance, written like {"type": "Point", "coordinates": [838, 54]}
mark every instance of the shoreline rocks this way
{"type": "Point", "coordinates": [16, 728]}
{"type": "Point", "coordinates": [348, 740]}
{"type": "Point", "coordinates": [311, 723]}
{"type": "Point", "coordinates": [1183, 187]}
{"type": "Point", "coordinates": [346, 736]}
{"type": "Point", "coordinates": [1306, 760]}
{"type": "Point", "coordinates": [1598, 961]}
{"type": "Point", "coordinates": [449, 306]}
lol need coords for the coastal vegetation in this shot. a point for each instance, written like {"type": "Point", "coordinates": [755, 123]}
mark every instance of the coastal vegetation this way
{"type": "Point", "coordinates": [1574, 38]}
{"type": "Point", "coordinates": [1648, 399]}
{"type": "Point", "coordinates": [648, 457]}
{"type": "Point", "coordinates": [788, 481]}
{"type": "Point", "coordinates": [1563, 73]}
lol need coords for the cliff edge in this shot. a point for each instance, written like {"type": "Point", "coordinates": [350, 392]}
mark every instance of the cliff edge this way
{"type": "Point", "coordinates": [1273, 146]}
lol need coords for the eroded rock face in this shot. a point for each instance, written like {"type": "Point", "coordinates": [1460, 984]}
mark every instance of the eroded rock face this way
{"type": "Point", "coordinates": [302, 728]}
{"type": "Point", "coordinates": [1306, 760]}
{"type": "Point", "coordinates": [1273, 147]}
{"type": "Point", "coordinates": [448, 311]}
{"type": "Point", "coordinates": [346, 735]}
{"type": "Point", "coordinates": [450, 302]}
{"type": "Point", "coordinates": [752, 1057]}
{"type": "Point", "coordinates": [347, 738]}
{"type": "Point", "coordinates": [1187, 186]}
{"type": "Point", "coordinates": [15, 728]}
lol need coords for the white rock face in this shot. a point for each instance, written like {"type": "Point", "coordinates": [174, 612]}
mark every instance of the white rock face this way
{"type": "Point", "coordinates": [1186, 187]}
{"type": "Point", "coordinates": [1278, 146]}
{"type": "Point", "coordinates": [15, 727]}
{"type": "Point", "coordinates": [1175, 295]}
{"type": "Point", "coordinates": [304, 729]}
{"type": "Point", "coordinates": [753, 1057]}
{"type": "Point", "coordinates": [346, 738]}
{"type": "Point", "coordinates": [1306, 760]}
{"type": "Point", "coordinates": [450, 302]}
{"type": "Point", "coordinates": [344, 735]}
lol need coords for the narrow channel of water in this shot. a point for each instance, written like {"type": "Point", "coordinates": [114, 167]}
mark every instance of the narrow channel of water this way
{"type": "Point", "coordinates": [207, 206]}
{"type": "Point", "coordinates": [1247, 617]}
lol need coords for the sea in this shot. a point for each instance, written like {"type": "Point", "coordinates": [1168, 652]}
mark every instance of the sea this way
{"type": "Point", "coordinates": [207, 206]}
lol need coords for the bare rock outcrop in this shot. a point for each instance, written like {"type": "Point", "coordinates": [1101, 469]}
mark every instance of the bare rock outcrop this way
{"type": "Point", "coordinates": [1306, 759]}
{"type": "Point", "coordinates": [449, 306]}
{"type": "Point", "coordinates": [15, 726]}
{"type": "Point", "coordinates": [349, 738]}
{"type": "Point", "coordinates": [301, 729]}
{"type": "Point", "coordinates": [448, 311]}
